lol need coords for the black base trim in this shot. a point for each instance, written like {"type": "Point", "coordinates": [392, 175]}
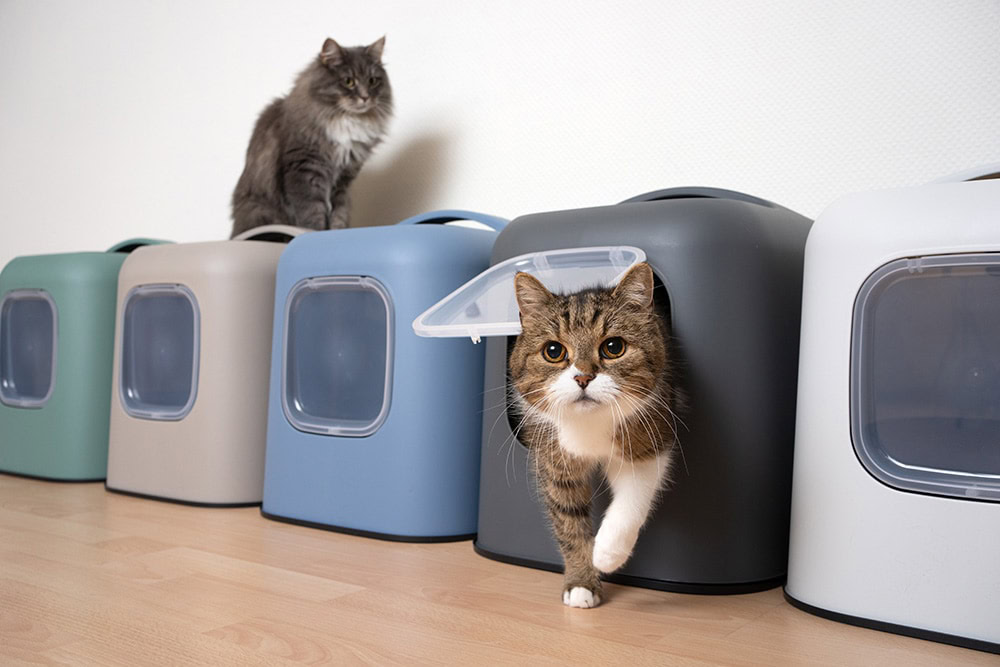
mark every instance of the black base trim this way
{"type": "Point", "coordinates": [367, 533]}
{"type": "Point", "coordinates": [178, 501]}
{"type": "Point", "coordinates": [643, 582]}
{"type": "Point", "coordinates": [42, 478]}
{"type": "Point", "coordinates": [930, 635]}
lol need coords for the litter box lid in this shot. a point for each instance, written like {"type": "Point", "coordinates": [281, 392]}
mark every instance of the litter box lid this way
{"type": "Point", "coordinates": [487, 306]}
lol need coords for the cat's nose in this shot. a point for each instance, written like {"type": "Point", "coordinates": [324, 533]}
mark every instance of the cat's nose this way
{"type": "Point", "coordinates": [583, 380]}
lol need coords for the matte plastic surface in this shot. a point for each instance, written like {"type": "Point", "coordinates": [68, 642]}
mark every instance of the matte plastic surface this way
{"type": "Point", "coordinates": [67, 437]}
{"type": "Point", "coordinates": [211, 453]}
{"type": "Point", "coordinates": [860, 548]}
{"type": "Point", "coordinates": [416, 477]}
{"type": "Point", "coordinates": [731, 265]}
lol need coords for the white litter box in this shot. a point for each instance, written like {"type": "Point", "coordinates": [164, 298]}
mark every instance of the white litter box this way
{"type": "Point", "coordinates": [896, 491]}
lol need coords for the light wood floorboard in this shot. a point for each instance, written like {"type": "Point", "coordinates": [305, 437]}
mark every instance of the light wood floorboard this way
{"type": "Point", "coordinates": [90, 577]}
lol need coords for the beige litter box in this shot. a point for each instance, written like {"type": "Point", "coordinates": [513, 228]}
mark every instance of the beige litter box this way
{"type": "Point", "coordinates": [191, 364]}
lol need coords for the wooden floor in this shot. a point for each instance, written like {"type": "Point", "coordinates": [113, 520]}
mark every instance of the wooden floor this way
{"type": "Point", "coordinates": [90, 577]}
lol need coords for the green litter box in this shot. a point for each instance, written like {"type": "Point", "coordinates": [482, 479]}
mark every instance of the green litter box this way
{"type": "Point", "coordinates": [57, 333]}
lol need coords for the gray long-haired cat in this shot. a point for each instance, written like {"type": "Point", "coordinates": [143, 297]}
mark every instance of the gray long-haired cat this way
{"type": "Point", "coordinates": [591, 372]}
{"type": "Point", "coordinates": [307, 147]}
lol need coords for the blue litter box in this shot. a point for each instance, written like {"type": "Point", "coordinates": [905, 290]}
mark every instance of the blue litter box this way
{"type": "Point", "coordinates": [371, 429]}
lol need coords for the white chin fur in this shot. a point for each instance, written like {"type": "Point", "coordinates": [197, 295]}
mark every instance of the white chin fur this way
{"type": "Point", "coordinates": [588, 434]}
{"type": "Point", "coordinates": [586, 428]}
{"type": "Point", "coordinates": [586, 406]}
{"type": "Point", "coordinates": [348, 129]}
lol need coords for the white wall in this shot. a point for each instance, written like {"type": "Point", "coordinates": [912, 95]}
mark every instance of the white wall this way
{"type": "Point", "coordinates": [122, 118]}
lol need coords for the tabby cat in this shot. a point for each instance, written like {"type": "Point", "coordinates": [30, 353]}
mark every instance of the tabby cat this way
{"type": "Point", "coordinates": [307, 147]}
{"type": "Point", "coordinates": [591, 377]}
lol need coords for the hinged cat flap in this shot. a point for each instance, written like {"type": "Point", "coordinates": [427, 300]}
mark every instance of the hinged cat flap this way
{"type": "Point", "coordinates": [487, 306]}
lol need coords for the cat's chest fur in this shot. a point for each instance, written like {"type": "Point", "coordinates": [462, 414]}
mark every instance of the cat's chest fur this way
{"type": "Point", "coordinates": [351, 138]}
{"type": "Point", "coordinates": [589, 435]}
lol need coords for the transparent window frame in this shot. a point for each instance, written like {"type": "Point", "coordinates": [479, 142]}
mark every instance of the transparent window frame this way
{"type": "Point", "coordinates": [165, 415]}
{"type": "Point", "coordinates": [873, 457]}
{"type": "Point", "coordinates": [43, 295]}
{"type": "Point", "coordinates": [323, 426]}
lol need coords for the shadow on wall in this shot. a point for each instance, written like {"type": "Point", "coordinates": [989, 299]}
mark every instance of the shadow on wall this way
{"type": "Point", "coordinates": [407, 184]}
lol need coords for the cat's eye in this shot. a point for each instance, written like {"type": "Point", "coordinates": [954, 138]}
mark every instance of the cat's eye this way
{"type": "Point", "coordinates": [553, 352]}
{"type": "Point", "coordinates": [374, 81]}
{"type": "Point", "coordinates": [349, 82]}
{"type": "Point", "coordinates": [613, 347]}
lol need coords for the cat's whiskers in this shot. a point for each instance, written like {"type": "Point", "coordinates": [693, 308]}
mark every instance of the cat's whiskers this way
{"type": "Point", "coordinates": [510, 402]}
{"type": "Point", "coordinates": [512, 437]}
{"type": "Point", "coordinates": [644, 412]}
{"type": "Point", "coordinates": [648, 425]}
{"type": "Point", "coordinates": [549, 438]}
{"type": "Point", "coordinates": [640, 418]}
{"type": "Point", "coordinates": [555, 440]}
{"type": "Point", "coordinates": [650, 401]}
{"type": "Point", "coordinates": [603, 479]}
{"type": "Point", "coordinates": [527, 411]}
{"type": "Point", "coordinates": [641, 412]}
{"type": "Point", "coordinates": [626, 439]}
{"type": "Point", "coordinates": [514, 403]}
{"type": "Point", "coordinates": [545, 429]}
{"type": "Point", "coordinates": [507, 387]}
{"type": "Point", "coordinates": [653, 397]}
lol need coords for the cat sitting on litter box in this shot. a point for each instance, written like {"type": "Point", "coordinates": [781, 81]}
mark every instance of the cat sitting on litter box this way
{"type": "Point", "coordinates": [591, 379]}
{"type": "Point", "coordinates": [307, 147]}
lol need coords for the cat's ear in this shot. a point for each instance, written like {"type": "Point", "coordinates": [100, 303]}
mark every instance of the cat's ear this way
{"type": "Point", "coordinates": [331, 53]}
{"type": "Point", "coordinates": [636, 286]}
{"type": "Point", "coordinates": [375, 48]}
{"type": "Point", "coordinates": [531, 293]}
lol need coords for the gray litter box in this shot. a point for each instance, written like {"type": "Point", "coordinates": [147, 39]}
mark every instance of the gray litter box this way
{"type": "Point", "coordinates": [729, 267]}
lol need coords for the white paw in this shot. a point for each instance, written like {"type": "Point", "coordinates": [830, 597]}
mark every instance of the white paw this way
{"type": "Point", "coordinates": [580, 597]}
{"type": "Point", "coordinates": [612, 550]}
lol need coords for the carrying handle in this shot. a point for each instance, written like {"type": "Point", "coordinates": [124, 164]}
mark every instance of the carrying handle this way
{"type": "Point", "coordinates": [983, 172]}
{"type": "Point", "coordinates": [128, 245]}
{"type": "Point", "coordinates": [697, 193]}
{"type": "Point", "coordinates": [451, 215]}
{"type": "Point", "coordinates": [273, 233]}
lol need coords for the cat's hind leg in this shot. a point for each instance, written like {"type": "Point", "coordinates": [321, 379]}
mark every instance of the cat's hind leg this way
{"type": "Point", "coordinates": [634, 488]}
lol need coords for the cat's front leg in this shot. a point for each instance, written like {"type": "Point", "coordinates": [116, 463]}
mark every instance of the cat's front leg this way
{"type": "Point", "coordinates": [306, 185]}
{"type": "Point", "coordinates": [340, 216]}
{"type": "Point", "coordinates": [566, 488]}
{"type": "Point", "coordinates": [634, 487]}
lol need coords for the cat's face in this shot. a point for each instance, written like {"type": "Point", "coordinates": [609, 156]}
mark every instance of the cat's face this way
{"type": "Point", "coordinates": [598, 348]}
{"type": "Point", "coordinates": [352, 78]}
